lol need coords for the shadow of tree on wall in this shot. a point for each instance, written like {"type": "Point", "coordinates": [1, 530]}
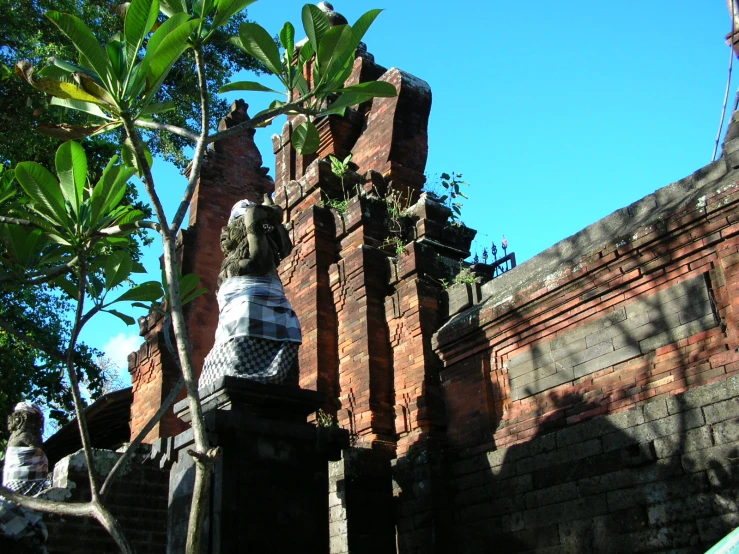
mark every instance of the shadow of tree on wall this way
{"type": "Point", "coordinates": [620, 483]}
{"type": "Point", "coordinates": [627, 458]}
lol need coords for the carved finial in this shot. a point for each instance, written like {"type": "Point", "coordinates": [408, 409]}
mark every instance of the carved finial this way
{"type": "Point", "coordinates": [335, 18]}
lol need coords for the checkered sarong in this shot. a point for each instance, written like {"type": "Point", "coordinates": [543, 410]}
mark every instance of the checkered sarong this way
{"type": "Point", "coordinates": [255, 307]}
{"type": "Point", "coordinates": [19, 523]}
{"type": "Point", "coordinates": [258, 333]}
{"type": "Point", "coordinates": [262, 360]}
{"type": "Point", "coordinates": [26, 469]}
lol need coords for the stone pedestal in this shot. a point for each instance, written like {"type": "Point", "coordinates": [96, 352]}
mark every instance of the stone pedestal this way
{"type": "Point", "coordinates": [270, 487]}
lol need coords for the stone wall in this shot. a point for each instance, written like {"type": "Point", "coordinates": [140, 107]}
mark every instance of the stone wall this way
{"type": "Point", "coordinates": [659, 477]}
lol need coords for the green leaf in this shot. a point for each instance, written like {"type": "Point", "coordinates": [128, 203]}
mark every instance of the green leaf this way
{"type": "Point", "coordinates": [145, 292]}
{"type": "Point", "coordinates": [362, 24]}
{"type": "Point", "coordinates": [66, 67]}
{"type": "Point", "coordinates": [246, 85]}
{"type": "Point", "coordinates": [334, 51]}
{"type": "Point", "coordinates": [227, 9]}
{"type": "Point", "coordinates": [301, 84]}
{"type": "Point", "coordinates": [202, 8]}
{"type": "Point", "coordinates": [127, 319]}
{"type": "Point", "coordinates": [23, 246]}
{"type": "Point", "coordinates": [257, 42]}
{"type": "Point", "coordinates": [118, 57]}
{"type": "Point", "coordinates": [70, 288]}
{"type": "Point", "coordinates": [71, 168]}
{"type": "Point", "coordinates": [315, 23]}
{"type": "Point", "coordinates": [140, 18]}
{"type": "Point", "coordinates": [164, 31]}
{"type": "Point", "coordinates": [79, 105]}
{"type": "Point", "coordinates": [193, 295]}
{"type": "Point", "coordinates": [305, 138]}
{"type": "Point", "coordinates": [137, 267]}
{"type": "Point", "coordinates": [7, 191]}
{"type": "Point", "coordinates": [189, 290]}
{"type": "Point", "coordinates": [64, 131]}
{"type": "Point", "coordinates": [188, 283]}
{"type": "Point", "coordinates": [159, 61]}
{"type": "Point", "coordinates": [287, 39]}
{"type": "Point", "coordinates": [129, 157]}
{"type": "Point", "coordinates": [109, 190]}
{"type": "Point", "coordinates": [159, 107]}
{"type": "Point", "coordinates": [44, 191]}
{"type": "Point", "coordinates": [172, 7]}
{"type": "Point", "coordinates": [306, 53]}
{"type": "Point", "coordinates": [91, 53]}
{"type": "Point", "coordinates": [136, 83]}
{"type": "Point", "coordinates": [56, 73]}
{"type": "Point", "coordinates": [356, 94]}
{"type": "Point", "coordinates": [91, 86]}
{"type": "Point", "coordinates": [117, 269]}
{"type": "Point", "coordinates": [65, 90]}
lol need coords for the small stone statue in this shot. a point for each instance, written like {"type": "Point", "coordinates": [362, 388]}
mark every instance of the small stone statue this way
{"type": "Point", "coordinates": [258, 333]}
{"type": "Point", "coordinates": [26, 472]}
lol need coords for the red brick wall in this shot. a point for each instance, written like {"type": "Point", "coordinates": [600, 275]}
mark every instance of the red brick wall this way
{"type": "Point", "coordinates": [699, 239]}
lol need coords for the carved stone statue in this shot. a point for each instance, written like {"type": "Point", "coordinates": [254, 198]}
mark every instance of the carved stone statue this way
{"type": "Point", "coordinates": [258, 333]}
{"type": "Point", "coordinates": [26, 472]}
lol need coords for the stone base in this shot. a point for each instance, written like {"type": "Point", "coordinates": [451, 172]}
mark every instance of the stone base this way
{"type": "Point", "coordinates": [270, 487]}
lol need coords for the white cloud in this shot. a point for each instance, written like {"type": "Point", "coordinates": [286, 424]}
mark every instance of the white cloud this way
{"type": "Point", "coordinates": [118, 348]}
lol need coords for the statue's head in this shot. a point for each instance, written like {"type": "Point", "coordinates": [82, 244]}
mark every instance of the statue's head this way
{"type": "Point", "coordinates": [240, 208]}
{"type": "Point", "coordinates": [26, 425]}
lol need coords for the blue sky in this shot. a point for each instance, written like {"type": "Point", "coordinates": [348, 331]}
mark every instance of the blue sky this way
{"type": "Point", "coordinates": [556, 113]}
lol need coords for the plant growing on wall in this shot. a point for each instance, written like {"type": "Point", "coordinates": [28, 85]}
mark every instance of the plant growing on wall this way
{"type": "Point", "coordinates": [448, 189]}
{"type": "Point", "coordinates": [72, 234]}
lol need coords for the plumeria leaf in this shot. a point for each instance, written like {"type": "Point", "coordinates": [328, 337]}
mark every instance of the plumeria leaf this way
{"type": "Point", "coordinates": [65, 131]}
{"type": "Point", "coordinates": [255, 40]}
{"type": "Point", "coordinates": [246, 85]}
{"type": "Point", "coordinates": [305, 138]}
{"type": "Point", "coordinates": [71, 168]}
{"type": "Point", "coordinates": [127, 319]}
{"type": "Point", "coordinates": [117, 269]}
{"type": "Point", "coordinates": [227, 9]}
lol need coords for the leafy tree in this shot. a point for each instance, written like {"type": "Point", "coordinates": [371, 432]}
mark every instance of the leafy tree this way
{"type": "Point", "coordinates": [79, 233]}
{"type": "Point", "coordinates": [29, 35]}
{"type": "Point", "coordinates": [34, 373]}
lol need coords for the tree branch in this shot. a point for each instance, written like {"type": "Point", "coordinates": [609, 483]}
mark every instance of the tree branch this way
{"type": "Point", "coordinates": [41, 277]}
{"type": "Point", "coordinates": [75, 386]}
{"type": "Point", "coordinates": [264, 117]}
{"type": "Point", "coordinates": [155, 126]}
{"type": "Point", "coordinates": [135, 443]}
{"type": "Point", "coordinates": [128, 227]}
{"type": "Point", "coordinates": [16, 221]}
{"type": "Point", "coordinates": [48, 506]}
{"type": "Point", "coordinates": [199, 148]}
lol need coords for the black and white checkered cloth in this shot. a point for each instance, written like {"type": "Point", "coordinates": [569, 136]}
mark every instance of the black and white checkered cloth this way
{"type": "Point", "coordinates": [262, 360]}
{"type": "Point", "coordinates": [19, 523]}
{"type": "Point", "coordinates": [258, 333]}
{"type": "Point", "coordinates": [26, 469]}
{"type": "Point", "coordinates": [26, 472]}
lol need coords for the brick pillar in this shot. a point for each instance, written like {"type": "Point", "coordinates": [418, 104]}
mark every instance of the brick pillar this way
{"type": "Point", "coordinates": [414, 311]}
{"type": "Point", "coordinates": [232, 170]}
{"type": "Point", "coordinates": [359, 282]}
{"type": "Point", "coordinates": [304, 275]}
